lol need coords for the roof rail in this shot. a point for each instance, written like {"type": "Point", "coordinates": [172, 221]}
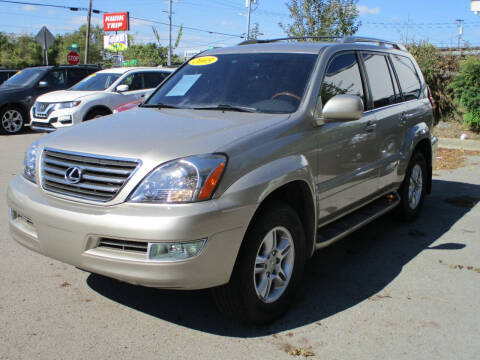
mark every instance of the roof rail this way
{"type": "Point", "coordinates": [264, 41]}
{"type": "Point", "coordinates": [380, 42]}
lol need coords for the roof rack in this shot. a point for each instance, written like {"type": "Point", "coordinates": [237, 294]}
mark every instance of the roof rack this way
{"type": "Point", "coordinates": [379, 42]}
{"type": "Point", "coordinates": [344, 40]}
{"type": "Point", "coordinates": [265, 41]}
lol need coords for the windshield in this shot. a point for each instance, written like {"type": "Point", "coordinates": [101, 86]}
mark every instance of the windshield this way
{"type": "Point", "coordinates": [259, 82]}
{"type": "Point", "coordinates": [25, 77]}
{"type": "Point", "coordinates": [96, 82]}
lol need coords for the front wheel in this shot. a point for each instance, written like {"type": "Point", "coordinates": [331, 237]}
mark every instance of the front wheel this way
{"type": "Point", "coordinates": [413, 189]}
{"type": "Point", "coordinates": [12, 119]}
{"type": "Point", "coordinates": [268, 270]}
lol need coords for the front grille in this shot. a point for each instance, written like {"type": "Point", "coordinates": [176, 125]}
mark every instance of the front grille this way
{"type": "Point", "coordinates": [98, 179]}
{"type": "Point", "coordinates": [42, 110]}
{"type": "Point", "coordinates": [123, 245]}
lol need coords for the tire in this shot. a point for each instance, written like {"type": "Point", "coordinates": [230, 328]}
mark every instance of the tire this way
{"type": "Point", "coordinates": [245, 297]}
{"type": "Point", "coordinates": [12, 119]}
{"type": "Point", "coordinates": [412, 193]}
{"type": "Point", "coordinates": [93, 114]}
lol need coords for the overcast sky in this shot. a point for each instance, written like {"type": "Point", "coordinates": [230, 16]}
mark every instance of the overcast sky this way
{"type": "Point", "coordinates": [427, 19]}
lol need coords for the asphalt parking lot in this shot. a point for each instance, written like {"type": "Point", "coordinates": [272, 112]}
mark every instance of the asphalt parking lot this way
{"type": "Point", "coordinates": [389, 291]}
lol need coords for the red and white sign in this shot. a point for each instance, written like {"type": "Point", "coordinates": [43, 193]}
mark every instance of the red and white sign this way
{"type": "Point", "coordinates": [73, 58]}
{"type": "Point", "coordinates": [118, 21]}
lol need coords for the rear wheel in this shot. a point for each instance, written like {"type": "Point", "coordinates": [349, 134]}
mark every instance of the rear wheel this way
{"type": "Point", "coordinates": [12, 119]}
{"type": "Point", "coordinates": [413, 189]}
{"type": "Point", "coordinates": [268, 270]}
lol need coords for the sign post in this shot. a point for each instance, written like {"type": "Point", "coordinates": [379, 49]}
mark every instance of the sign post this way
{"type": "Point", "coordinates": [45, 39]}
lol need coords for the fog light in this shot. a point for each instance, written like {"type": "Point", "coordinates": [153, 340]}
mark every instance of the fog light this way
{"type": "Point", "coordinates": [65, 118]}
{"type": "Point", "coordinates": [174, 251]}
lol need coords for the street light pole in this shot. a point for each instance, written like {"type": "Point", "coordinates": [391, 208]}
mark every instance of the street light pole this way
{"type": "Point", "coordinates": [460, 32]}
{"type": "Point", "coordinates": [170, 33]}
{"type": "Point", "coordinates": [247, 33]}
{"type": "Point", "coordinates": [87, 39]}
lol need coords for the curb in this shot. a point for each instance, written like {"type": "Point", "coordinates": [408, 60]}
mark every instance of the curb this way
{"type": "Point", "coordinates": [446, 143]}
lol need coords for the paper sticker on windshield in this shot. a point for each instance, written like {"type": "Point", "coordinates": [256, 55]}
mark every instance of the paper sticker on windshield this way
{"type": "Point", "coordinates": [203, 60]}
{"type": "Point", "coordinates": [185, 83]}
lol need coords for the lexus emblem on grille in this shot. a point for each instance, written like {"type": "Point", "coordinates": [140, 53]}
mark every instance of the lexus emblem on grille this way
{"type": "Point", "coordinates": [73, 175]}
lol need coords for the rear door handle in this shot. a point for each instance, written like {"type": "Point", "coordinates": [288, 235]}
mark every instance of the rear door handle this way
{"type": "Point", "coordinates": [371, 126]}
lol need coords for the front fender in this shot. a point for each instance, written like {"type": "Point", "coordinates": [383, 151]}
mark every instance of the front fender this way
{"type": "Point", "coordinates": [256, 185]}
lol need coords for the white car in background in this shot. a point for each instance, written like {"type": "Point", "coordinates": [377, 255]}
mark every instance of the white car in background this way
{"type": "Point", "coordinates": [95, 96]}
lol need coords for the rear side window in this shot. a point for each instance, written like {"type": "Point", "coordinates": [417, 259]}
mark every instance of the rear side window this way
{"type": "Point", "coordinates": [380, 80]}
{"type": "Point", "coordinates": [407, 76]}
{"type": "Point", "coordinates": [75, 75]}
{"type": "Point", "coordinates": [152, 79]}
{"type": "Point", "coordinates": [342, 77]}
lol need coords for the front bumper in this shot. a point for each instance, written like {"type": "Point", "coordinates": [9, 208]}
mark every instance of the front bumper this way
{"type": "Point", "coordinates": [69, 231]}
{"type": "Point", "coordinates": [56, 119]}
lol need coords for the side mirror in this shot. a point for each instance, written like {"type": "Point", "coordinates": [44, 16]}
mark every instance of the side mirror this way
{"type": "Point", "coordinates": [122, 88]}
{"type": "Point", "coordinates": [43, 84]}
{"type": "Point", "coordinates": [343, 108]}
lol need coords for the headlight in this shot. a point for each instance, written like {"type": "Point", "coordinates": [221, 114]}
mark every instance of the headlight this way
{"type": "Point", "coordinates": [30, 162]}
{"type": "Point", "coordinates": [66, 105]}
{"type": "Point", "coordinates": [189, 179]}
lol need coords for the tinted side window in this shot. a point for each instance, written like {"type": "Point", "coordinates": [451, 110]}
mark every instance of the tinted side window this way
{"type": "Point", "coordinates": [3, 77]}
{"type": "Point", "coordinates": [380, 80]}
{"type": "Point", "coordinates": [408, 77]}
{"type": "Point", "coordinates": [75, 75]}
{"type": "Point", "coordinates": [342, 77]}
{"type": "Point", "coordinates": [152, 79]}
{"type": "Point", "coordinates": [134, 82]}
{"type": "Point", "coordinates": [56, 78]}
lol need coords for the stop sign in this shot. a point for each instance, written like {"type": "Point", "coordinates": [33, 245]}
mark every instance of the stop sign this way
{"type": "Point", "coordinates": [73, 58]}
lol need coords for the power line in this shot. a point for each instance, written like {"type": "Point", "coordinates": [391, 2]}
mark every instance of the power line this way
{"type": "Point", "coordinates": [72, 8]}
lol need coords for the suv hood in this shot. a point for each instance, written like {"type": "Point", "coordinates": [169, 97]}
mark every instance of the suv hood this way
{"type": "Point", "coordinates": [65, 95]}
{"type": "Point", "coordinates": [159, 135]}
{"type": "Point", "coordinates": [11, 89]}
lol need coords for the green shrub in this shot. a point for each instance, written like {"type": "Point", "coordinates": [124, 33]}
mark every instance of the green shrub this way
{"type": "Point", "coordinates": [438, 70]}
{"type": "Point", "coordinates": [466, 90]}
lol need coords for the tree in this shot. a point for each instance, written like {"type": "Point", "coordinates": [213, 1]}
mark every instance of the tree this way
{"type": "Point", "coordinates": [255, 31]}
{"type": "Point", "coordinates": [322, 18]}
{"type": "Point", "coordinates": [60, 50]}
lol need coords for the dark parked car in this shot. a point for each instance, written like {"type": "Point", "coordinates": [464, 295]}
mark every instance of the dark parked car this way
{"type": "Point", "coordinates": [6, 74]}
{"type": "Point", "coordinates": [18, 93]}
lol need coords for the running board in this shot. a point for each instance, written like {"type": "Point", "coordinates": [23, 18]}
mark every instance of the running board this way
{"type": "Point", "coordinates": [346, 225]}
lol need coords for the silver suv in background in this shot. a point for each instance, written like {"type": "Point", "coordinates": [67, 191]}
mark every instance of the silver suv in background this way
{"type": "Point", "coordinates": [237, 168]}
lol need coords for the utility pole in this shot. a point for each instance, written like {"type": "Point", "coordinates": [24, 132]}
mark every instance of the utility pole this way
{"type": "Point", "coordinates": [170, 33]}
{"type": "Point", "coordinates": [249, 5]}
{"type": "Point", "coordinates": [460, 32]}
{"type": "Point", "coordinates": [87, 39]}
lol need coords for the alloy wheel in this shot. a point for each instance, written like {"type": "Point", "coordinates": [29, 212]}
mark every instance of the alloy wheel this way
{"type": "Point", "coordinates": [274, 264]}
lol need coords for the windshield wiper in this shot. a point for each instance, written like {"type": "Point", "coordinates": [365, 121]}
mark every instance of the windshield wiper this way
{"type": "Point", "coordinates": [159, 106]}
{"type": "Point", "coordinates": [227, 107]}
